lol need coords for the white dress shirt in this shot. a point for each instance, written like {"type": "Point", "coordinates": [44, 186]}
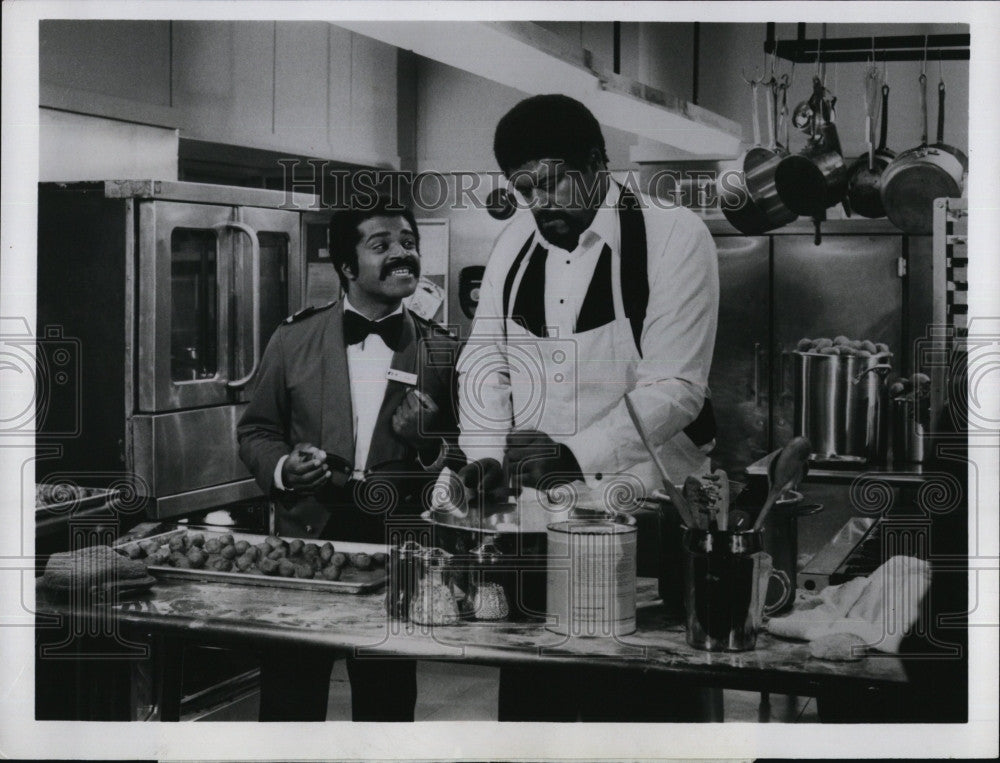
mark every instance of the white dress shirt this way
{"type": "Point", "coordinates": [368, 363]}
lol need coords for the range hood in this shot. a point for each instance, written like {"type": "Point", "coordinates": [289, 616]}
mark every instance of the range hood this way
{"type": "Point", "coordinates": [530, 58]}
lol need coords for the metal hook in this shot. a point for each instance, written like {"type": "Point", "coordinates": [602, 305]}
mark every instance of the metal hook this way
{"type": "Point", "coordinates": [923, 64]}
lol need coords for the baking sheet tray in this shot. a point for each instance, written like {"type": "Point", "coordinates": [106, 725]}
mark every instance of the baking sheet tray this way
{"type": "Point", "coordinates": [354, 581]}
{"type": "Point", "coordinates": [93, 496]}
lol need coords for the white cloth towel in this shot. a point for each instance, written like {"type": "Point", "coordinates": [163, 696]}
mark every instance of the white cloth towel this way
{"type": "Point", "coordinates": [879, 609]}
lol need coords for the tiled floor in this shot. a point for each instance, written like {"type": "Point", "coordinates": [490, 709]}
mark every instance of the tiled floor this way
{"type": "Point", "coordinates": [448, 691]}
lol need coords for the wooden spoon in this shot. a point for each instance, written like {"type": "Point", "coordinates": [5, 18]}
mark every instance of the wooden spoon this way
{"type": "Point", "coordinates": [789, 469]}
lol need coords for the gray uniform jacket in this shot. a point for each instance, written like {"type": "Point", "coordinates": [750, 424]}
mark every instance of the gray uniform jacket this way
{"type": "Point", "coordinates": [303, 395]}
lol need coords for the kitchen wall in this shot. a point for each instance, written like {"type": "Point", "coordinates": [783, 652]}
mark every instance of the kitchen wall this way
{"type": "Point", "coordinates": [727, 48]}
{"type": "Point", "coordinates": [457, 113]}
{"type": "Point", "coordinates": [303, 87]}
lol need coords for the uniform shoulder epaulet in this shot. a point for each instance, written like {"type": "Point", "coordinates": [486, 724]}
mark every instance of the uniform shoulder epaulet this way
{"type": "Point", "coordinates": [305, 312]}
{"type": "Point", "coordinates": [433, 327]}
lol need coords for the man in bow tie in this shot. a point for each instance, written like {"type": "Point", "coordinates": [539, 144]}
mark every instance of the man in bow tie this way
{"type": "Point", "coordinates": [349, 424]}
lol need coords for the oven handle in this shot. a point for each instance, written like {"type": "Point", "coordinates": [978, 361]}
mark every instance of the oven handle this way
{"type": "Point", "coordinates": [255, 265]}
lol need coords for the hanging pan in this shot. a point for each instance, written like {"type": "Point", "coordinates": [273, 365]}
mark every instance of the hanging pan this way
{"type": "Point", "coordinates": [916, 177]}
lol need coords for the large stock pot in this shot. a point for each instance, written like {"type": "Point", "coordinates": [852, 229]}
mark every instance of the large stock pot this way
{"type": "Point", "coordinates": [840, 405]}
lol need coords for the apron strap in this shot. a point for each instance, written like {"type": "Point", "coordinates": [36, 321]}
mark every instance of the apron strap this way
{"type": "Point", "coordinates": [508, 284]}
{"type": "Point", "coordinates": [634, 276]}
{"type": "Point", "coordinates": [528, 310]}
{"type": "Point", "coordinates": [635, 296]}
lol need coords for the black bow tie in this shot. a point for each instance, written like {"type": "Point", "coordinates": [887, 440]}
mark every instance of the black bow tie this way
{"type": "Point", "coordinates": [357, 328]}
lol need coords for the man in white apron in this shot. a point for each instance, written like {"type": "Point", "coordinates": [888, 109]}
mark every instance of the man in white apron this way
{"type": "Point", "coordinates": [596, 295]}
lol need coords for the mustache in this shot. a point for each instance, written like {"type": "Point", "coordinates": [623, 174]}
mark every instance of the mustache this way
{"type": "Point", "coordinates": [406, 261]}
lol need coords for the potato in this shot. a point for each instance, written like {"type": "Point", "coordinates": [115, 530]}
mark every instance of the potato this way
{"type": "Point", "coordinates": [268, 566]}
{"type": "Point", "coordinates": [227, 539]}
{"type": "Point", "coordinates": [881, 347]}
{"type": "Point", "coordinates": [159, 557]}
{"type": "Point", "coordinates": [221, 564]}
{"type": "Point", "coordinates": [262, 550]}
{"type": "Point", "coordinates": [278, 553]}
{"type": "Point", "coordinates": [213, 546]}
{"type": "Point", "coordinates": [310, 549]}
{"type": "Point", "coordinates": [241, 547]}
{"type": "Point", "coordinates": [869, 346]}
{"type": "Point", "coordinates": [326, 552]}
{"type": "Point", "coordinates": [339, 559]}
{"type": "Point", "coordinates": [228, 552]}
{"type": "Point", "coordinates": [176, 543]}
{"type": "Point", "coordinates": [197, 557]}
{"type": "Point", "coordinates": [379, 559]}
{"type": "Point", "coordinates": [362, 561]}
{"type": "Point", "coordinates": [273, 541]}
{"type": "Point", "coordinates": [314, 561]}
{"type": "Point", "coordinates": [286, 568]}
{"type": "Point", "coordinates": [181, 562]}
{"type": "Point", "coordinates": [804, 345]}
{"type": "Point", "coordinates": [846, 349]}
{"type": "Point", "coordinates": [132, 551]}
{"type": "Point", "coordinates": [253, 553]}
{"type": "Point", "coordinates": [841, 339]}
{"type": "Point", "coordinates": [295, 547]}
{"type": "Point", "coordinates": [304, 571]}
{"type": "Point", "coordinates": [197, 539]}
{"type": "Point", "coordinates": [819, 344]}
{"type": "Point", "coordinates": [862, 353]}
{"type": "Point", "coordinates": [331, 572]}
{"type": "Point", "coordinates": [829, 350]}
{"type": "Point", "coordinates": [244, 563]}
{"type": "Point", "coordinates": [149, 547]}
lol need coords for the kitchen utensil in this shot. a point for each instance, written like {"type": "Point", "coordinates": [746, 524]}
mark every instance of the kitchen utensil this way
{"type": "Point", "coordinates": [486, 591]}
{"type": "Point", "coordinates": [842, 419]}
{"type": "Point", "coordinates": [910, 427]}
{"type": "Point", "coordinates": [687, 515]}
{"type": "Point", "coordinates": [725, 583]}
{"type": "Point", "coordinates": [755, 206]}
{"type": "Point", "coordinates": [916, 177]}
{"type": "Point", "coordinates": [864, 184]}
{"type": "Point", "coordinates": [522, 553]}
{"type": "Point", "coordinates": [789, 468]}
{"type": "Point", "coordinates": [448, 497]}
{"type": "Point", "coordinates": [591, 578]}
{"type": "Point", "coordinates": [810, 182]}
{"type": "Point", "coordinates": [781, 541]}
{"type": "Point", "coordinates": [402, 579]}
{"type": "Point", "coordinates": [434, 601]}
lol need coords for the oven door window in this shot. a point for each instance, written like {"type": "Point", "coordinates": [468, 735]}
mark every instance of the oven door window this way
{"type": "Point", "coordinates": [194, 305]}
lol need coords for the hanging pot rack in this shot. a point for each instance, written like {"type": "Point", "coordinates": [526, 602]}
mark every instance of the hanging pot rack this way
{"type": "Point", "coordinates": [934, 47]}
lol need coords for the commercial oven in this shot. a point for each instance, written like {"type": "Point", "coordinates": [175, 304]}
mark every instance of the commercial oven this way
{"type": "Point", "coordinates": [164, 295]}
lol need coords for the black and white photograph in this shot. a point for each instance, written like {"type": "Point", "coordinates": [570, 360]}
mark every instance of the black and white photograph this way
{"type": "Point", "coordinates": [495, 381]}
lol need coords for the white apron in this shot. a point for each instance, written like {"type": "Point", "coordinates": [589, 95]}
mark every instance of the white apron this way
{"type": "Point", "coordinates": [561, 385]}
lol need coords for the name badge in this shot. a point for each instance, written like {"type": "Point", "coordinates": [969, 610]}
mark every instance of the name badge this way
{"type": "Point", "coordinates": [402, 377]}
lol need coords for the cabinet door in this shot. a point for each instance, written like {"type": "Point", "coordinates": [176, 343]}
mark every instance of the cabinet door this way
{"type": "Point", "coordinates": [848, 285]}
{"type": "Point", "coordinates": [739, 366]}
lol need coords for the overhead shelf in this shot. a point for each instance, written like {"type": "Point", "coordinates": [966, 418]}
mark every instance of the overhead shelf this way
{"type": "Point", "coordinates": [530, 58]}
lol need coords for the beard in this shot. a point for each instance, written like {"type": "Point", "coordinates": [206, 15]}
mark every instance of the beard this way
{"type": "Point", "coordinates": [559, 229]}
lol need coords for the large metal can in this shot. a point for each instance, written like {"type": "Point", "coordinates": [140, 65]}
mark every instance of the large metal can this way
{"type": "Point", "coordinates": [591, 577]}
